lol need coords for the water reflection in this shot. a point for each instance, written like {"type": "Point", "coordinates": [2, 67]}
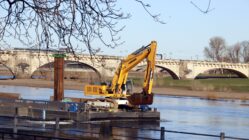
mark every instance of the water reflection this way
{"type": "Point", "coordinates": [181, 114]}
{"type": "Point", "coordinates": [118, 129]}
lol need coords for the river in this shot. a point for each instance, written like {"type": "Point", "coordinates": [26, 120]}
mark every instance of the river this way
{"type": "Point", "coordinates": [187, 114]}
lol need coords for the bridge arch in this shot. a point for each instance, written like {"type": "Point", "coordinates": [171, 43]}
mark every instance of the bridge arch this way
{"type": "Point", "coordinates": [240, 74]}
{"type": "Point", "coordinates": [85, 65]}
{"type": "Point", "coordinates": [171, 72]}
{"type": "Point", "coordinates": [81, 65]}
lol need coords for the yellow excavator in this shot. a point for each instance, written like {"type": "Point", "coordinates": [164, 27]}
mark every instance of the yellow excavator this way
{"type": "Point", "coordinates": [117, 90]}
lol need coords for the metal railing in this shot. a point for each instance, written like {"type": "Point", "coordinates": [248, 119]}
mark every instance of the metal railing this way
{"type": "Point", "coordinates": [163, 131]}
{"type": "Point", "coordinates": [5, 135]}
{"type": "Point", "coordinates": [106, 132]}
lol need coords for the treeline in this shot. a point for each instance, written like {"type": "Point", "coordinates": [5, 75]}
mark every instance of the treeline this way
{"type": "Point", "coordinates": [218, 50]}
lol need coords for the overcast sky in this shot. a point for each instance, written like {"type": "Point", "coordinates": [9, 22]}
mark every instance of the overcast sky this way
{"type": "Point", "coordinates": [187, 31]}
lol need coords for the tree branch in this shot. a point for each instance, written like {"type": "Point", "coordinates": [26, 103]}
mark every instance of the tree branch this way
{"type": "Point", "coordinates": [203, 11]}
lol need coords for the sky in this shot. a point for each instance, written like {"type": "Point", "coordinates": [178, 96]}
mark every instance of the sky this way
{"type": "Point", "coordinates": [187, 30]}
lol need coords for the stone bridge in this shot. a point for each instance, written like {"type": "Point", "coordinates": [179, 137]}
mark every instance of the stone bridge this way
{"type": "Point", "coordinates": [26, 62]}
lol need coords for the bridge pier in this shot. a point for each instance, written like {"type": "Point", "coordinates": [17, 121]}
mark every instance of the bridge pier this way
{"type": "Point", "coordinates": [19, 73]}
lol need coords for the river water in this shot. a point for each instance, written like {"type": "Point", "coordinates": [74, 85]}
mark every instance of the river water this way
{"type": "Point", "coordinates": [187, 114]}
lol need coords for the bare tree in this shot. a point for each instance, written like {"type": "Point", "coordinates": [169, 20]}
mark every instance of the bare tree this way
{"type": "Point", "coordinates": [216, 49]}
{"type": "Point", "coordinates": [62, 23]}
{"type": "Point", "coordinates": [234, 53]}
{"type": "Point", "coordinates": [245, 51]}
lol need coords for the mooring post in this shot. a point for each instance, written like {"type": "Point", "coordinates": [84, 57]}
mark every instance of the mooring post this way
{"type": "Point", "coordinates": [57, 123]}
{"type": "Point", "coordinates": [57, 127]}
{"type": "Point", "coordinates": [44, 114]}
{"type": "Point", "coordinates": [15, 122]}
{"type": "Point", "coordinates": [58, 77]}
{"type": "Point", "coordinates": [43, 118]}
{"type": "Point", "coordinates": [222, 136]}
{"type": "Point", "coordinates": [162, 137]}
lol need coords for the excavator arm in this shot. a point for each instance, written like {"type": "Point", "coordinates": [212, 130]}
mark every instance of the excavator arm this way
{"type": "Point", "coordinates": [146, 96]}
{"type": "Point", "coordinates": [130, 62]}
{"type": "Point", "coordinates": [116, 90]}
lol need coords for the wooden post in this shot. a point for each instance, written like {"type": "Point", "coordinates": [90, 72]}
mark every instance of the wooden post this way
{"type": "Point", "coordinates": [162, 137]}
{"type": "Point", "coordinates": [58, 77]}
{"type": "Point", "coordinates": [222, 136]}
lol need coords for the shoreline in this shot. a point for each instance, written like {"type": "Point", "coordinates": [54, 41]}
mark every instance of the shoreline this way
{"type": "Point", "coordinates": [76, 85]}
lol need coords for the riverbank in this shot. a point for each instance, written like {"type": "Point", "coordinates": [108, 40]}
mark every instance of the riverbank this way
{"type": "Point", "coordinates": [76, 85]}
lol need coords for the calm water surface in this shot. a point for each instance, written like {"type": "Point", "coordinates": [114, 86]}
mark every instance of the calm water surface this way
{"type": "Point", "coordinates": [180, 114]}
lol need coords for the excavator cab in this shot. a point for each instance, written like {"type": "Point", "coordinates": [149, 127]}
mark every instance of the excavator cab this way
{"type": "Point", "coordinates": [129, 87]}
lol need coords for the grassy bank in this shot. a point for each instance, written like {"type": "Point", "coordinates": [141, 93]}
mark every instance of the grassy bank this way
{"type": "Point", "coordinates": [219, 85]}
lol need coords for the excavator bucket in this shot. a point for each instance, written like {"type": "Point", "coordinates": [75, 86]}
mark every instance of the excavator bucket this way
{"type": "Point", "coordinates": [140, 99]}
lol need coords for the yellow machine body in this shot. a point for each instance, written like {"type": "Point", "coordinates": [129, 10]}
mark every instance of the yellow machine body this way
{"type": "Point", "coordinates": [100, 90]}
